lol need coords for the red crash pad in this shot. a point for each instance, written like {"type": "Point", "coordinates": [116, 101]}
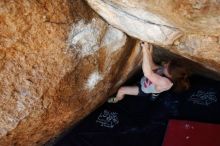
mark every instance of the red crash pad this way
{"type": "Point", "coordinates": [188, 133]}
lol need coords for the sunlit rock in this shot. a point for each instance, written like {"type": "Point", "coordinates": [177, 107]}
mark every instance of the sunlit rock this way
{"type": "Point", "coordinates": [58, 62]}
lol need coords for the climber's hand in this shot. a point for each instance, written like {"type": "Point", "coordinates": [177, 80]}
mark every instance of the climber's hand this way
{"type": "Point", "coordinates": [146, 47]}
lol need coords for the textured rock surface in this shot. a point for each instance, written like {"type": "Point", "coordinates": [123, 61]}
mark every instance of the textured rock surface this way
{"type": "Point", "coordinates": [135, 21]}
{"type": "Point", "coordinates": [58, 61]}
{"type": "Point", "coordinates": [204, 49]}
{"type": "Point", "coordinates": [189, 28]}
{"type": "Point", "coordinates": [189, 15]}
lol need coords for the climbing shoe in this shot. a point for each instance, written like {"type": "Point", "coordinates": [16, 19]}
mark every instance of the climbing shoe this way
{"type": "Point", "coordinates": [112, 100]}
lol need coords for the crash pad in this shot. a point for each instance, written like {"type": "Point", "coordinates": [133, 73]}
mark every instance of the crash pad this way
{"type": "Point", "coordinates": [190, 133]}
{"type": "Point", "coordinates": [138, 121]}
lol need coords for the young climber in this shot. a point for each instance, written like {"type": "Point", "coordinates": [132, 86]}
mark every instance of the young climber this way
{"type": "Point", "coordinates": [156, 78]}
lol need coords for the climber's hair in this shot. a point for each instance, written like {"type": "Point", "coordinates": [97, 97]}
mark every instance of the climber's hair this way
{"type": "Point", "coordinates": [179, 75]}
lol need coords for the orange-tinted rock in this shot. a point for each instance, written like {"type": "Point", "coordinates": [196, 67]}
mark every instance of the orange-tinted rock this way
{"type": "Point", "coordinates": [194, 16]}
{"type": "Point", "coordinates": [189, 28]}
{"type": "Point", "coordinates": [58, 62]}
{"type": "Point", "coordinates": [199, 48]}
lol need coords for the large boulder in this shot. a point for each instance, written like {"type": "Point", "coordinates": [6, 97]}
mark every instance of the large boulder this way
{"type": "Point", "coordinates": [189, 28]}
{"type": "Point", "coordinates": [58, 62]}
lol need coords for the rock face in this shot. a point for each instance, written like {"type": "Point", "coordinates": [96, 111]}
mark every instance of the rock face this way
{"type": "Point", "coordinates": [136, 22]}
{"type": "Point", "coordinates": [189, 28]}
{"type": "Point", "coordinates": [58, 62]}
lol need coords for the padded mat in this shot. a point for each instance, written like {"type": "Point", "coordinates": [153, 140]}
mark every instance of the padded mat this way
{"type": "Point", "coordinates": [137, 121]}
{"type": "Point", "coordinates": [188, 133]}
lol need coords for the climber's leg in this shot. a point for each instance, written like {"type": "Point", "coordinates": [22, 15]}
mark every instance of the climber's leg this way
{"type": "Point", "coordinates": [124, 90]}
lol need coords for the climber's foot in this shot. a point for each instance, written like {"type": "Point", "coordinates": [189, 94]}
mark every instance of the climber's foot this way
{"type": "Point", "coordinates": [113, 100]}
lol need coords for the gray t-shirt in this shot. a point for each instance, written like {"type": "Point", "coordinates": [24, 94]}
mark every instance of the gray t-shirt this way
{"type": "Point", "coordinates": [147, 86]}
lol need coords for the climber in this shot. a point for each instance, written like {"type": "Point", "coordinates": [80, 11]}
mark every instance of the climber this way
{"type": "Point", "coordinates": [156, 78]}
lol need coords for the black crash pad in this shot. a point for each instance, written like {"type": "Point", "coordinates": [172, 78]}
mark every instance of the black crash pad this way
{"type": "Point", "coordinates": [137, 121]}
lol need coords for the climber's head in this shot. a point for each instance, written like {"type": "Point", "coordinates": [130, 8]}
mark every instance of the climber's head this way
{"type": "Point", "coordinates": [177, 73]}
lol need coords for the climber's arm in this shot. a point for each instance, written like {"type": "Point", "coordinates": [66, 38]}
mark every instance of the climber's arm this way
{"type": "Point", "coordinates": [160, 82]}
{"type": "Point", "coordinates": [149, 48]}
